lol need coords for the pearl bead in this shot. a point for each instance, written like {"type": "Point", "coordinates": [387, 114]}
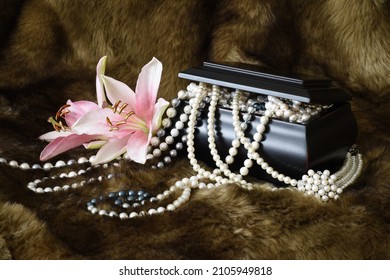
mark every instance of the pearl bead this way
{"type": "Point", "coordinates": [171, 207]}
{"type": "Point", "coordinates": [25, 166]}
{"type": "Point", "coordinates": [248, 163]}
{"type": "Point", "coordinates": [171, 112]}
{"type": "Point", "coordinates": [13, 163]}
{"type": "Point", "coordinates": [182, 94]}
{"type": "Point", "coordinates": [236, 143]}
{"type": "Point", "coordinates": [175, 132]}
{"type": "Point", "coordinates": [82, 160]}
{"type": "Point", "coordinates": [179, 125]}
{"type": "Point", "coordinates": [244, 171]}
{"type": "Point", "coordinates": [47, 166]}
{"type": "Point", "coordinates": [155, 141]}
{"type": "Point", "coordinates": [60, 163]}
{"type": "Point", "coordinates": [123, 216]}
{"type": "Point", "coordinates": [183, 118]}
{"type": "Point", "coordinates": [257, 137]}
{"type": "Point", "coordinates": [229, 159]}
{"type": "Point", "coordinates": [36, 166]}
{"type": "Point", "coordinates": [169, 140]}
{"type": "Point", "coordinates": [233, 151]}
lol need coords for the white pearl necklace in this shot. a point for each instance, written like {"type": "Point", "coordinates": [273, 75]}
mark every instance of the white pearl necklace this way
{"type": "Point", "coordinates": [323, 185]}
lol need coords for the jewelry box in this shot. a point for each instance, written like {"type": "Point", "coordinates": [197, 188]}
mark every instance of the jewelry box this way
{"type": "Point", "coordinates": [312, 127]}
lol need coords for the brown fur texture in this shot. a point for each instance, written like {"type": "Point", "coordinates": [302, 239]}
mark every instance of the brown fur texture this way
{"type": "Point", "coordinates": [48, 54]}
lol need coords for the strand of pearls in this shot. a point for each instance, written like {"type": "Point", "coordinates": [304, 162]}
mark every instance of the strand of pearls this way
{"type": "Point", "coordinates": [168, 134]}
{"type": "Point", "coordinates": [35, 185]}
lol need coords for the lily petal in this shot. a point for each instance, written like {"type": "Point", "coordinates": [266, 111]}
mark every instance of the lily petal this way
{"type": "Point", "coordinates": [159, 109]}
{"type": "Point", "coordinates": [147, 87]}
{"type": "Point", "coordinates": [63, 144]}
{"type": "Point", "coordinates": [95, 144]}
{"type": "Point", "coordinates": [137, 146]}
{"type": "Point", "coordinates": [94, 122]}
{"type": "Point", "coordinates": [100, 69]}
{"type": "Point", "coordinates": [52, 135]}
{"type": "Point", "coordinates": [118, 91]}
{"type": "Point", "coordinates": [110, 151]}
{"type": "Point", "coordinates": [78, 109]}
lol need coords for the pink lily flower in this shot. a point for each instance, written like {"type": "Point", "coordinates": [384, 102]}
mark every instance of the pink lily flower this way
{"type": "Point", "coordinates": [63, 138]}
{"type": "Point", "coordinates": [122, 121]}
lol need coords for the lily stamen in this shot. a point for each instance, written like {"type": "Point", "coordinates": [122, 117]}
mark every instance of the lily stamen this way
{"type": "Point", "coordinates": [60, 113]}
{"type": "Point", "coordinates": [128, 115]}
{"type": "Point", "coordinates": [116, 106]}
{"type": "Point", "coordinates": [120, 123]}
{"type": "Point", "coordinates": [122, 108]}
{"type": "Point", "coordinates": [109, 122]}
{"type": "Point", "coordinates": [57, 125]}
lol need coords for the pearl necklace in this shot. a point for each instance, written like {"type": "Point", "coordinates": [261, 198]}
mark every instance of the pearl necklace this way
{"type": "Point", "coordinates": [321, 184]}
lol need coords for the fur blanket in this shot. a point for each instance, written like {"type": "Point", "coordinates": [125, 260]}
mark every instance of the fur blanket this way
{"type": "Point", "coordinates": [49, 50]}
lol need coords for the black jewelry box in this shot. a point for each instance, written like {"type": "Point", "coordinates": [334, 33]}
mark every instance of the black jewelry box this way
{"type": "Point", "coordinates": [290, 148]}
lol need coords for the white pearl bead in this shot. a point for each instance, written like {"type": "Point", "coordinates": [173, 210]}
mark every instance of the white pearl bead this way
{"type": "Point", "coordinates": [257, 137]}
{"type": "Point", "coordinates": [293, 182]}
{"type": "Point", "coordinates": [293, 118]}
{"type": "Point", "coordinates": [264, 120]}
{"type": "Point", "coordinates": [236, 143]}
{"type": "Point", "coordinates": [169, 140]}
{"type": "Point", "coordinates": [60, 163]}
{"type": "Point", "coordinates": [281, 177]}
{"type": "Point", "coordinates": [269, 170]}
{"type": "Point", "coordinates": [287, 180]}
{"type": "Point", "coordinates": [113, 214]}
{"type": "Point", "coordinates": [25, 166]}
{"type": "Point", "coordinates": [154, 141]}
{"type": "Point", "coordinates": [171, 112]}
{"type": "Point", "coordinates": [229, 159]}
{"type": "Point", "coordinates": [171, 207]}
{"type": "Point", "coordinates": [182, 94]}
{"type": "Point", "coordinates": [244, 171]}
{"type": "Point", "coordinates": [260, 128]}
{"type": "Point", "coordinates": [264, 165]}
{"type": "Point", "coordinates": [47, 166]}
{"type": "Point", "coordinates": [123, 216]}
{"type": "Point", "coordinates": [13, 163]}
{"type": "Point", "coordinates": [233, 151]}
{"type": "Point", "coordinates": [152, 211]}
{"type": "Point", "coordinates": [248, 163]}
{"type": "Point", "coordinates": [92, 158]}
{"type": "Point", "coordinates": [175, 132]}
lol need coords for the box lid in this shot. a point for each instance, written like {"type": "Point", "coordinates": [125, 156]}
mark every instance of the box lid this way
{"type": "Point", "coordinates": [268, 81]}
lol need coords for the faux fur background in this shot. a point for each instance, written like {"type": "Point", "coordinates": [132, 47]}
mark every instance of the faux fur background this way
{"type": "Point", "coordinates": [48, 53]}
